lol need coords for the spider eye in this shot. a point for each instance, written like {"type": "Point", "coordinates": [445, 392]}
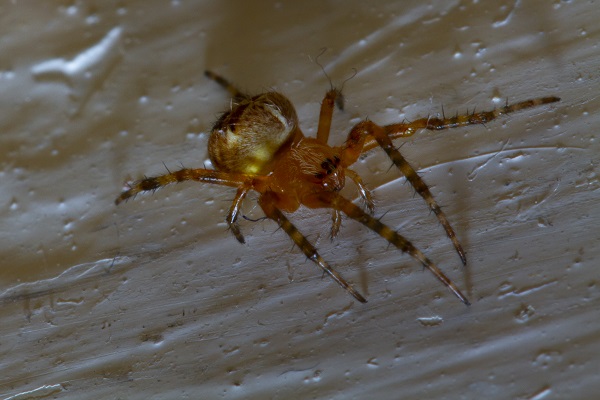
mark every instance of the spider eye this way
{"type": "Point", "coordinates": [330, 165]}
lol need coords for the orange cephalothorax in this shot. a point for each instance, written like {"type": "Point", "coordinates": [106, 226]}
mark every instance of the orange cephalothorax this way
{"type": "Point", "coordinates": [318, 164]}
{"type": "Point", "coordinates": [307, 167]}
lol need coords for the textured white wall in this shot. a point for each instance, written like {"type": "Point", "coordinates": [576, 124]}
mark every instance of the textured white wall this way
{"type": "Point", "coordinates": [154, 299]}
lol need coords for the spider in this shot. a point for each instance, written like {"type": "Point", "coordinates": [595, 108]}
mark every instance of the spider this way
{"type": "Point", "coordinates": [258, 145]}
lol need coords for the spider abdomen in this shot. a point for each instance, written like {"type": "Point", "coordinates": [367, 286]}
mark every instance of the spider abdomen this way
{"type": "Point", "coordinates": [247, 138]}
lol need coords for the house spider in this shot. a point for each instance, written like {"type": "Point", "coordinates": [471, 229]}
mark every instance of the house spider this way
{"type": "Point", "coordinates": [258, 145]}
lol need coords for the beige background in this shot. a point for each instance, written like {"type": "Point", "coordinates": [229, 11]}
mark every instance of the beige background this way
{"type": "Point", "coordinates": [153, 299]}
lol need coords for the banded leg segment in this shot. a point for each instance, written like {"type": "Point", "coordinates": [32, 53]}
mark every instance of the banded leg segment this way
{"type": "Point", "coordinates": [187, 174]}
{"type": "Point", "coordinates": [395, 131]}
{"type": "Point", "coordinates": [234, 211]}
{"type": "Point", "coordinates": [367, 135]}
{"type": "Point", "coordinates": [415, 180]}
{"type": "Point", "coordinates": [332, 97]}
{"type": "Point", "coordinates": [356, 213]}
{"type": "Point", "coordinates": [272, 212]}
{"type": "Point", "coordinates": [370, 129]}
{"type": "Point", "coordinates": [233, 91]}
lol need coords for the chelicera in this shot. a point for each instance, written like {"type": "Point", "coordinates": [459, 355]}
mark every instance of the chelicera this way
{"type": "Point", "coordinates": [258, 145]}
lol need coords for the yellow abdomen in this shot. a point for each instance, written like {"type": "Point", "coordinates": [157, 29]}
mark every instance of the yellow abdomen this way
{"type": "Point", "coordinates": [247, 138]}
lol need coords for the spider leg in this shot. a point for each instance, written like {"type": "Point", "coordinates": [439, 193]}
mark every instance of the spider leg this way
{"type": "Point", "coordinates": [336, 222]}
{"type": "Point", "coordinates": [267, 204]}
{"type": "Point", "coordinates": [368, 128]}
{"type": "Point", "coordinates": [365, 195]}
{"type": "Point", "coordinates": [243, 182]}
{"type": "Point", "coordinates": [331, 199]}
{"type": "Point", "coordinates": [395, 131]}
{"type": "Point", "coordinates": [383, 136]}
{"type": "Point", "coordinates": [234, 211]}
{"type": "Point", "coordinates": [233, 91]}
{"type": "Point", "coordinates": [364, 192]}
{"type": "Point", "coordinates": [415, 180]}
{"type": "Point", "coordinates": [187, 174]}
{"type": "Point", "coordinates": [332, 97]}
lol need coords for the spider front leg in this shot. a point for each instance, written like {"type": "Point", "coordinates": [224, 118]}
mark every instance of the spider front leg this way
{"type": "Point", "coordinates": [267, 203]}
{"type": "Point", "coordinates": [406, 129]}
{"type": "Point", "coordinates": [338, 202]}
{"type": "Point", "coordinates": [354, 147]}
{"type": "Point", "coordinates": [333, 98]}
{"type": "Point", "coordinates": [367, 135]}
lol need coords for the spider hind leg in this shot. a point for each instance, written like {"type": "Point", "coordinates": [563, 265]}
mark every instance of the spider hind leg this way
{"type": "Point", "coordinates": [233, 91]}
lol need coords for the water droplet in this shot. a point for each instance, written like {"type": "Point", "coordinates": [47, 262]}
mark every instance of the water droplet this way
{"type": "Point", "coordinates": [92, 19]}
{"type": "Point", "coordinates": [524, 313]}
{"type": "Point", "coordinates": [457, 55]}
{"type": "Point", "coordinates": [547, 358]}
{"type": "Point", "coordinates": [430, 321]}
{"type": "Point", "coordinates": [72, 10]}
{"type": "Point", "coordinates": [68, 226]}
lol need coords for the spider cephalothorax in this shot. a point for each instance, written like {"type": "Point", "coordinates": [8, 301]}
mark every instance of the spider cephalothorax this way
{"type": "Point", "coordinates": [258, 145]}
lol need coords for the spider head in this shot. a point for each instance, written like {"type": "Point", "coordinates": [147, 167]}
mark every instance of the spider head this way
{"type": "Point", "coordinates": [330, 176]}
{"type": "Point", "coordinates": [319, 165]}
